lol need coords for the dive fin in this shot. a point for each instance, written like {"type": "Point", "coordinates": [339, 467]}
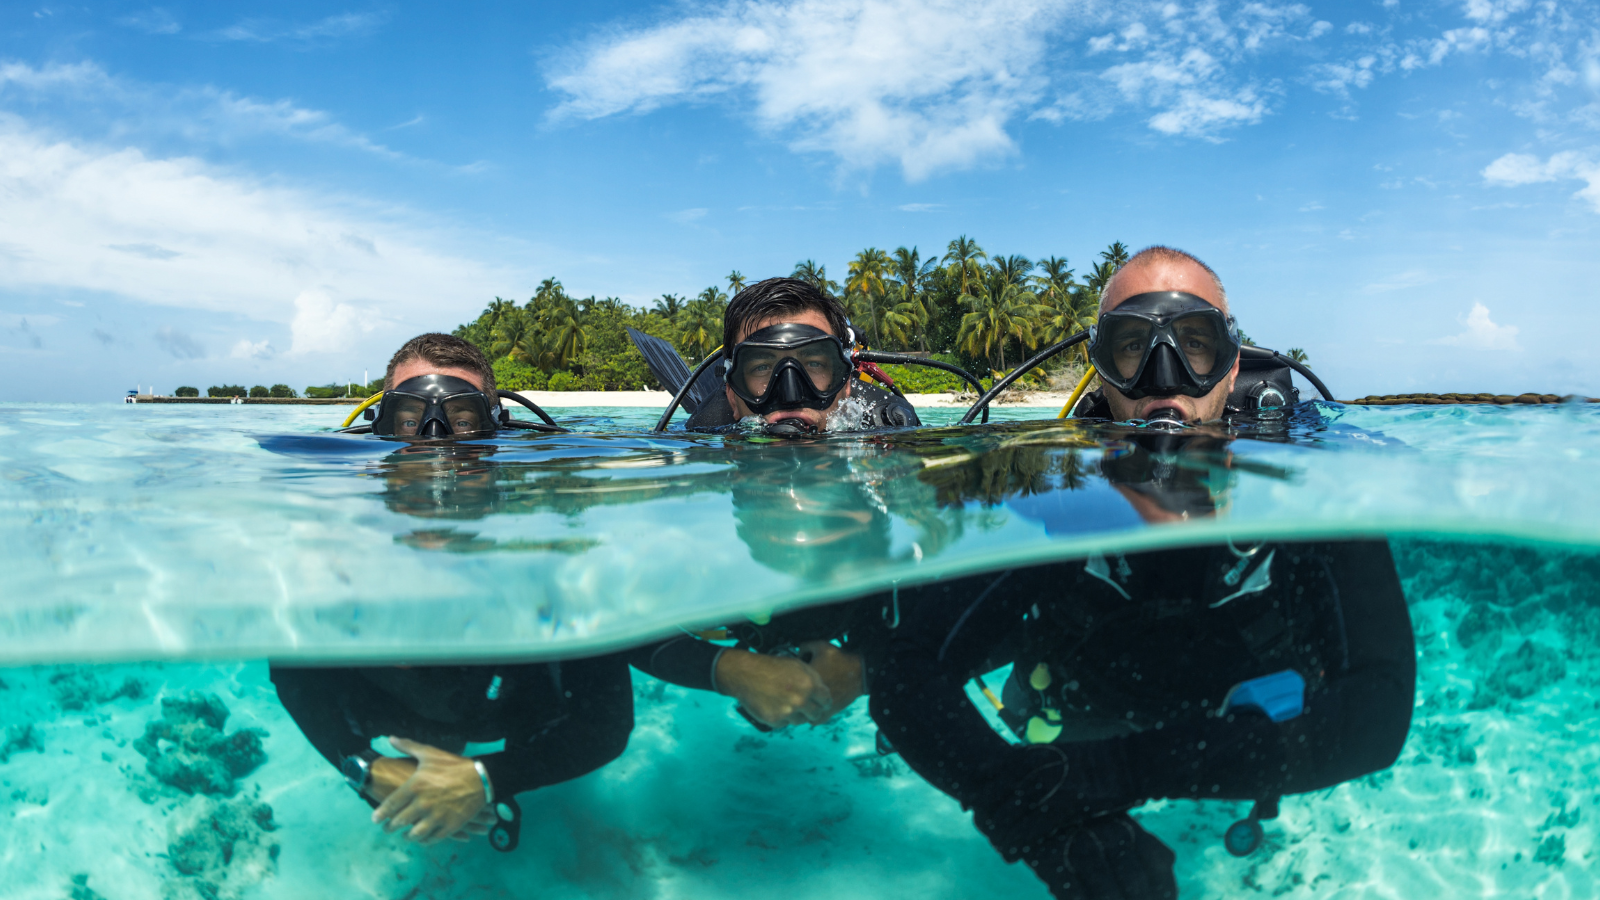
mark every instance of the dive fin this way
{"type": "Point", "coordinates": [670, 369]}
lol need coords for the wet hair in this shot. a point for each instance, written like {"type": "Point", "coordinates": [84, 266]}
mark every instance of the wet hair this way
{"type": "Point", "coordinates": [1160, 253]}
{"type": "Point", "coordinates": [775, 299]}
{"type": "Point", "coordinates": [445, 351]}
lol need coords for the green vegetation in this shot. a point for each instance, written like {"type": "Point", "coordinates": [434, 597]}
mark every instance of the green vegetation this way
{"type": "Point", "coordinates": [227, 390]}
{"type": "Point", "coordinates": [981, 312]}
{"type": "Point", "coordinates": [187, 392]}
{"type": "Point", "coordinates": [259, 390]}
{"type": "Point", "coordinates": [282, 391]}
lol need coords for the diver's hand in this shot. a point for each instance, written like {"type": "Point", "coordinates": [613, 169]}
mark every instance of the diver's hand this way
{"type": "Point", "coordinates": [478, 827]}
{"type": "Point", "coordinates": [440, 798]}
{"type": "Point", "coordinates": [1106, 858]}
{"type": "Point", "coordinates": [388, 774]}
{"type": "Point", "coordinates": [779, 691]}
{"type": "Point", "coordinates": [840, 671]}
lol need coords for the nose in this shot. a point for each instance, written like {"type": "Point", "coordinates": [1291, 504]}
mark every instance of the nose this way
{"type": "Point", "coordinates": [434, 428]}
{"type": "Point", "coordinates": [1163, 374]}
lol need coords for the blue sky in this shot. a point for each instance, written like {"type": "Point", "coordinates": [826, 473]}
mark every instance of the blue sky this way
{"type": "Point", "coordinates": [250, 193]}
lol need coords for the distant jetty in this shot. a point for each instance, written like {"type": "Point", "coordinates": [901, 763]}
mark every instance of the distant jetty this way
{"type": "Point", "coordinates": [239, 401]}
{"type": "Point", "coordinates": [1440, 399]}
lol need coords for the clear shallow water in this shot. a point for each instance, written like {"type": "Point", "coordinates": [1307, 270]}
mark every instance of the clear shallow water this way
{"type": "Point", "coordinates": [165, 538]}
{"type": "Point", "coordinates": [163, 532]}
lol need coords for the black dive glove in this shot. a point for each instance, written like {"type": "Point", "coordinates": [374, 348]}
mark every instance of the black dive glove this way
{"type": "Point", "coordinates": [1038, 790]}
{"type": "Point", "coordinates": [1108, 857]}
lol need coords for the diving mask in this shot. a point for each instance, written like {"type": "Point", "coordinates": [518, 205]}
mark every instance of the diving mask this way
{"type": "Point", "coordinates": [1163, 343]}
{"type": "Point", "coordinates": [788, 366]}
{"type": "Point", "coordinates": [435, 406]}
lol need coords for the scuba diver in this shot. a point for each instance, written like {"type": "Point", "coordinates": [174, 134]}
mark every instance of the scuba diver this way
{"type": "Point", "coordinates": [812, 512]}
{"type": "Point", "coordinates": [1165, 346]}
{"type": "Point", "coordinates": [1217, 672]}
{"type": "Point", "coordinates": [442, 750]}
{"type": "Point", "coordinates": [791, 366]}
{"type": "Point", "coordinates": [439, 386]}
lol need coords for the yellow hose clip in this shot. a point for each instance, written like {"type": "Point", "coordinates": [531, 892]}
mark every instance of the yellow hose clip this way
{"type": "Point", "coordinates": [1076, 393]}
{"type": "Point", "coordinates": [364, 404]}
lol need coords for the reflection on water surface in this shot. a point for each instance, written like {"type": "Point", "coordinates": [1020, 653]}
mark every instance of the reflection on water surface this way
{"type": "Point", "coordinates": [857, 667]}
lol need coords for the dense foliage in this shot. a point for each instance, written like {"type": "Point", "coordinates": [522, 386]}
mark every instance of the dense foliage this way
{"type": "Point", "coordinates": [187, 392]}
{"type": "Point", "coordinates": [984, 313]}
{"type": "Point", "coordinates": [227, 390]}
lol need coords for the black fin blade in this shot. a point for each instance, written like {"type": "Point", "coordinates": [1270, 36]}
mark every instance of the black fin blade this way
{"type": "Point", "coordinates": [670, 369]}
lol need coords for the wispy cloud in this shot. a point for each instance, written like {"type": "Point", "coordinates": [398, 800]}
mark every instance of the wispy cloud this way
{"type": "Point", "coordinates": [178, 343]}
{"type": "Point", "coordinates": [1515, 169]}
{"type": "Point", "coordinates": [203, 113]}
{"type": "Point", "coordinates": [152, 21]}
{"type": "Point", "coordinates": [1482, 333]}
{"type": "Point", "coordinates": [686, 216]}
{"type": "Point", "coordinates": [264, 31]}
{"type": "Point", "coordinates": [919, 207]}
{"type": "Point", "coordinates": [176, 232]}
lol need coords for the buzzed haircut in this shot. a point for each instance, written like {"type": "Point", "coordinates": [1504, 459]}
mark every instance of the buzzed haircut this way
{"type": "Point", "coordinates": [1162, 253]}
{"type": "Point", "coordinates": [777, 298]}
{"type": "Point", "coordinates": [445, 351]}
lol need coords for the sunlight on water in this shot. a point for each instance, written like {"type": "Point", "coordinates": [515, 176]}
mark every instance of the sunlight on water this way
{"type": "Point", "coordinates": [194, 542]}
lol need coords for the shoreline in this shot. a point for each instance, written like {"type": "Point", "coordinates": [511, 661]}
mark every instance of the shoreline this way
{"type": "Point", "coordinates": [660, 399]}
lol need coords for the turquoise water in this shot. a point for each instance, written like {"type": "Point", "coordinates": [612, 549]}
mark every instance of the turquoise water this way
{"type": "Point", "coordinates": [156, 550]}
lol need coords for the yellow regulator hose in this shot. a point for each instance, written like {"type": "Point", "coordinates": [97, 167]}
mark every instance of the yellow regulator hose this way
{"type": "Point", "coordinates": [364, 404]}
{"type": "Point", "coordinates": [1076, 393]}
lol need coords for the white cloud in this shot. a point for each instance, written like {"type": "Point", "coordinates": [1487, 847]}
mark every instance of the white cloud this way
{"type": "Point", "coordinates": [919, 207]}
{"type": "Point", "coordinates": [929, 85]}
{"type": "Point", "coordinates": [322, 325]}
{"type": "Point", "coordinates": [1408, 279]}
{"type": "Point", "coordinates": [685, 216]}
{"type": "Point", "coordinates": [176, 232]}
{"type": "Point", "coordinates": [152, 21]}
{"type": "Point", "coordinates": [1482, 333]}
{"type": "Point", "coordinates": [248, 349]}
{"type": "Point", "coordinates": [1515, 169]}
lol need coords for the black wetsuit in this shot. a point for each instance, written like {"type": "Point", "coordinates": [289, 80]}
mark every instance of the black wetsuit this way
{"type": "Point", "coordinates": [884, 410]}
{"type": "Point", "coordinates": [1137, 655]}
{"type": "Point", "coordinates": [558, 720]}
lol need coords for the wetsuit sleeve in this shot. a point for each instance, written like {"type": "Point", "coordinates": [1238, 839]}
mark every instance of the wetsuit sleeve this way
{"type": "Point", "coordinates": [683, 660]}
{"type": "Point", "coordinates": [311, 697]}
{"type": "Point", "coordinates": [1355, 724]}
{"type": "Point", "coordinates": [593, 706]}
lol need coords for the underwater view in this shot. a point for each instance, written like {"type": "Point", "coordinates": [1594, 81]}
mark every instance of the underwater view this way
{"type": "Point", "coordinates": [1337, 651]}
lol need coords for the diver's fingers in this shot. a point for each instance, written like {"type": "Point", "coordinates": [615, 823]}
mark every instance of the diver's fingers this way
{"type": "Point", "coordinates": [397, 801]}
{"type": "Point", "coordinates": [405, 818]}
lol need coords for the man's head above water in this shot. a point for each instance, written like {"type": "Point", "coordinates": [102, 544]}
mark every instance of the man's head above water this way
{"type": "Point", "coordinates": [778, 301]}
{"type": "Point", "coordinates": [1165, 269]}
{"type": "Point", "coordinates": [444, 355]}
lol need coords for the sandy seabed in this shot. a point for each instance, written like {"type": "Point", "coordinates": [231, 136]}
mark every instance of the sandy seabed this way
{"type": "Point", "coordinates": [1497, 793]}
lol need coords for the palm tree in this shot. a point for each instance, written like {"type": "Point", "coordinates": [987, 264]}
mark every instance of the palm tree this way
{"type": "Point", "coordinates": [716, 298]}
{"type": "Point", "coordinates": [867, 287]}
{"type": "Point", "coordinates": [700, 327]}
{"type": "Point", "coordinates": [1011, 269]}
{"type": "Point", "coordinates": [816, 276]}
{"type": "Point", "coordinates": [1000, 310]}
{"type": "Point", "coordinates": [736, 282]}
{"type": "Point", "coordinates": [513, 331]}
{"type": "Point", "coordinates": [962, 258]}
{"type": "Point", "coordinates": [909, 284]}
{"type": "Point", "coordinates": [1062, 303]}
{"type": "Point", "coordinates": [1299, 356]}
{"type": "Point", "coordinates": [669, 305]}
{"type": "Point", "coordinates": [1116, 255]}
{"type": "Point", "coordinates": [565, 336]}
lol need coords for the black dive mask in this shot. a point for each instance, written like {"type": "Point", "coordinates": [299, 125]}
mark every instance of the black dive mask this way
{"type": "Point", "coordinates": [436, 406]}
{"type": "Point", "coordinates": [788, 366]}
{"type": "Point", "coordinates": [1164, 343]}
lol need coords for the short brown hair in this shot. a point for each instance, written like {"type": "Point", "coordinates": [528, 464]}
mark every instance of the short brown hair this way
{"type": "Point", "coordinates": [775, 298]}
{"type": "Point", "coordinates": [1163, 253]}
{"type": "Point", "coordinates": [445, 351]}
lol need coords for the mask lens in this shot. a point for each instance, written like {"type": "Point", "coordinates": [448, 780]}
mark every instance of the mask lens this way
{"type": "Point", "coordinates": [756, 366]}
{"type": "Point", "coordinates": [1200, 338]}
{"type": "Point", "coordinates": [1126, 339]}
{"type": "Point", "coordinates": [465, 415]}
{"type": "Point", "coordinates": [408, 414]}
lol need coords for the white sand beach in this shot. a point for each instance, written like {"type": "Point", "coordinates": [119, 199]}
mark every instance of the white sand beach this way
{"type": "Point", "coordinates": [660, 399]}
